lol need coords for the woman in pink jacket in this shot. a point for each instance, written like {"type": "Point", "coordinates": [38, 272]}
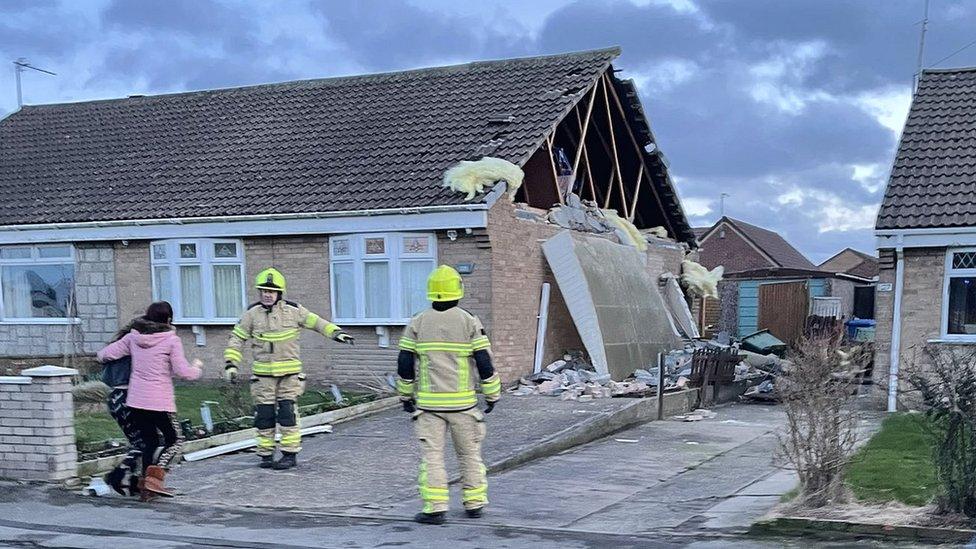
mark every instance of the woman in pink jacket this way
{"type": "Point", "coordinates": [157, 357]}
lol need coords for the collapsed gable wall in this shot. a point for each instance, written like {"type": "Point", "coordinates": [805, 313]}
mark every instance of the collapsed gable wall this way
{"type": "Point", "coordinates": [519, 269]}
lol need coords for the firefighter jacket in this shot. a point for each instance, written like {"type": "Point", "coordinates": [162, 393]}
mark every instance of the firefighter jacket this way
{"type": "Point", "coordinates": [446, 376]}
{"type": "Point", "coordinates": [273, 333]}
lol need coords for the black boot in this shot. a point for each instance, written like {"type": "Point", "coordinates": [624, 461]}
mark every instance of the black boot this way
{"type": "Point", "coordinates": [116, 479]}
{"type": "Point", "coordinates": [267, 462]}
{"type": "Point", "coordinates": [287, 461]}
{"type": "Point", "coordinates": [475, 513]}
{"type": "Point", "coordinates": [430, 518]}
{"type": "Point", "coordinates": [134, 485]}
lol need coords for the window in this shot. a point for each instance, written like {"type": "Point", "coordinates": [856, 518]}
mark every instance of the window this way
{"type": "Point", "coordinates": [37, 283]}
{"type": "Point", "coordinates": [380, 278]}
{"type": "Point", "coordinates": [959, 295]}
{"type": "Point", "coordinates": [202, 279]}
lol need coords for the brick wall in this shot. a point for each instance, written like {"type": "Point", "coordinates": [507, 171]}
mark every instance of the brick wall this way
{"type": "Point", "coordinates": [95, 301]}
{"type": "Point", "coordinates": [304, 261]}
{"type": "Point", "coordinates": [518, 271]}
{"type": "Point", "coordinates": [921, 309]}
{"type": "Point", "coordinates": [733, 252]}
{"type": "Point", "coordinates": [37, 434]}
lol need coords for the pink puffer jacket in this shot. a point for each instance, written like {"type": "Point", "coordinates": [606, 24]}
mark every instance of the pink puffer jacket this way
{"type": "Point", "coordinates": [157, 357]}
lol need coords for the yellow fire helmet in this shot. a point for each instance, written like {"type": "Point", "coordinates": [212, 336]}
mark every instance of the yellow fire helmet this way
{"type": "Point", "coordinates": [270, 279]}
{"type": "Point", "coordinates": [444, 284]}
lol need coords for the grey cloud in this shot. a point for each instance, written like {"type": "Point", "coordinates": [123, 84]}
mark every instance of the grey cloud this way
{"type": "Point", "coordinates": [391, 35]}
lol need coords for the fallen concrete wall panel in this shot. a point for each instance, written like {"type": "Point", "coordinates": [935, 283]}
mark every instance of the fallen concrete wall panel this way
{"type": "Point", "coordinates": [615, 304]}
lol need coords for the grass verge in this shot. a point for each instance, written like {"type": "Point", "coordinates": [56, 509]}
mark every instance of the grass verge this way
{"type": "Point", "coordinates": [896, 464]}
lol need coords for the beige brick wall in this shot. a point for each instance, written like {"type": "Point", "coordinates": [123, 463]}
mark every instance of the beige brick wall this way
{"type": "Point", "coordinates": [518, 271]}
{"type": "Point", "coordinates": [921, 310]}
{"type": "Point", "coordinates": [305, 263]}
{"type": "Point", "coordinates": [37, 434]}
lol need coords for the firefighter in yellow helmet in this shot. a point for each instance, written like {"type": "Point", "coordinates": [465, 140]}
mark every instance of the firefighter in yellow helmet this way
{"type": "Point", "coordinates": [273, 326]}
{"type": "Point", "coordinates": [444, 358]}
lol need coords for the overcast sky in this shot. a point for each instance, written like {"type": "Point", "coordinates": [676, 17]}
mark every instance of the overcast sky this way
{"type": "Point", "coordinates": [791, 107]}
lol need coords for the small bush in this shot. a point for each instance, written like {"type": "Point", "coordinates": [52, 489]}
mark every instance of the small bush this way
{"type": "Point", "coordinates": [946, 382]}
{"type": "Point", "coordinates": [818, 392]}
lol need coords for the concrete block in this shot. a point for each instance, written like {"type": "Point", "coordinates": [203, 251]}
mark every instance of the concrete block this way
{"type": "Point", "coordinates": [22, 431]}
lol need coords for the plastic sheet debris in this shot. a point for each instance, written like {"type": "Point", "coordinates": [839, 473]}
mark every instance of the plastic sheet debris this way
{"type": "Point", "coordinates": [97, 488]}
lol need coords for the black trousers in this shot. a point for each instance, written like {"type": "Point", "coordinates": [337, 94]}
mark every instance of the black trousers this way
{"type": "Point", "coordinates": [123, 416]}
{"type": "Point", "coordinates": [162, 442]}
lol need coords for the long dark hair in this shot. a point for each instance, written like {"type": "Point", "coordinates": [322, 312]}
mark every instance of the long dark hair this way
{"type": "Point", "coordinates": [160, 311]}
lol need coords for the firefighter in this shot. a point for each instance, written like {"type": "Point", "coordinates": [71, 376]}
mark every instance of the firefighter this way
{"type": "Point", "coordinates": [444, 357]}
{"type": "Point", "coordinates": [273, 325]}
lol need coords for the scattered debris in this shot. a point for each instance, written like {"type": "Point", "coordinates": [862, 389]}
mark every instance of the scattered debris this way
{"type": "Point", "coordinates": [248, 443]}
{"type": "Point", "coordinates": [97, 488]}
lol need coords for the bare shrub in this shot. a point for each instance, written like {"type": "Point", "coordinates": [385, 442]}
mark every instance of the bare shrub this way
{"type": "Point", "coordinates": [946, 382]}
{"type": "Point", "coordinates": [818, 392]}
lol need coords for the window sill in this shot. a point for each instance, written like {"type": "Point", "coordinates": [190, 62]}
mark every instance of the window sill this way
{"type": "Point", "coordinates": [211, 322]}
{"type": "Point", "coordinates": [954, 341]}
{"type": "Point", "coordinates": [39, 321]}
{"type": "Point", "coordinates": [374, 322]}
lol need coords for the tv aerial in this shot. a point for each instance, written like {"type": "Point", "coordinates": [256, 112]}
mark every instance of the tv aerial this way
{"type": "Point", "coordinates": [20, 66]}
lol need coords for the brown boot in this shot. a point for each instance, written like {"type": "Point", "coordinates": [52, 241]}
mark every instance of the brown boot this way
{"type": "Point", "coordinates": [144, 495]}
{"type": "Point", "coordinates": [155, 475]}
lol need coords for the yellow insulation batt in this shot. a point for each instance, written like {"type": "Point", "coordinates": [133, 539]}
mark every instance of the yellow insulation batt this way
{"type": "Point", "coordinates": [636, 238]}
{"type": "Point", "coordinates": [699, 280]}
{"type": "Point", "coordinates": [473, 176]}
{"type": "Point", "coordinates": [658, 231]}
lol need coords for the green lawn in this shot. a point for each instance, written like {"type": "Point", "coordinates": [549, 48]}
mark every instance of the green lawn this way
{"type": "Point", "coordinates": [896, 464]}
{"type": "Point", "coordinates": [99, 426]}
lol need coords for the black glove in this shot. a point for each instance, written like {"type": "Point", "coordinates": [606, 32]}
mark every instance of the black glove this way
{"type": "Point", "coordinates": [408, 406]}
{"type": "Point", "coordinates": [230, 372]}
{"type": "Point", "coordinates": [490, 406]}
{"type": "Point", "coordinates": [343, 337]}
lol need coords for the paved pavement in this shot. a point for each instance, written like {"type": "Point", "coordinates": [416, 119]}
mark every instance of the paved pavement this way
{"type": "Point", "coordinates": [663, 484]}
{"type": "Point", "coordinates": [372, 460]}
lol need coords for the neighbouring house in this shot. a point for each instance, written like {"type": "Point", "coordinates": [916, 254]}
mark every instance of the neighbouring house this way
{"type": "Point", "coordinates": [862, 266]}
{"type": "Point", "coordinates": [926, 229]}
{"type": "Point", "coordinates": [336, 182]}
{"type": "Point", "coordinates": [768, 284]}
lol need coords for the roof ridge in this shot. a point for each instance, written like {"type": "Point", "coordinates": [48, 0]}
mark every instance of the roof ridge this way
{"type": "Point", "coordinates": [615, 51]}
{"type": "Point", "coordinates": [947, 70]}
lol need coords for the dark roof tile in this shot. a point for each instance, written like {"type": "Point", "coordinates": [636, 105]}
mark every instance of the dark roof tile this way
{"type": "Point", "coordinates": [340, 144]}
{"type": "Point", "coordinates": [933, 180]}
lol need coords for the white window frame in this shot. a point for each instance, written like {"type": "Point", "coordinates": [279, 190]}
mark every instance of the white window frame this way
{"type": "Point", "coordinates": [206, 260]}
{"type": "Point", "coordinates": [394, 255]}
{"type": "Point", "coordinates": [35, 259]}
{"type": "Point", "coordinates": [949, 274]}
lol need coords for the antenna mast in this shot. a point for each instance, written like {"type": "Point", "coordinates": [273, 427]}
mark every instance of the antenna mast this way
{"type": "Point", "coordinates": [921, 48]}
{"type": "Point", "coordinates": [20, 66]}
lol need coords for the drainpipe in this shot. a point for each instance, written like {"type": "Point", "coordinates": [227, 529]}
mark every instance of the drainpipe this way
{"type": "Point", "coordinates": [896, 327]}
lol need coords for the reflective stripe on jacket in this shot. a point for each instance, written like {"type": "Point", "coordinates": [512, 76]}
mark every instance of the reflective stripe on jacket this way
{"type": "Point", "coordinates": [274, 336]}
{"type": "Point", "coordinates": [446, 378]}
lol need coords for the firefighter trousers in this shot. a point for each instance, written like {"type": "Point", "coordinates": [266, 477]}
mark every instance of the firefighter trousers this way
{"type": "Point", "coordinates": [275, 405]}
{"type": "Point", "coordinates": [467, 432]}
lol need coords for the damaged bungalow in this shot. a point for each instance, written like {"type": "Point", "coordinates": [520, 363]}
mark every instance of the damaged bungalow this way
{"type": "Point", "coordinates": [337, 183]}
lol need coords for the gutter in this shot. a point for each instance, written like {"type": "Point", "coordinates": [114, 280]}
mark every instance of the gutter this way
{"type": "Point", "coordinates": [239, 218]}
{"type": "Point", "coordinates": [896, 327]}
